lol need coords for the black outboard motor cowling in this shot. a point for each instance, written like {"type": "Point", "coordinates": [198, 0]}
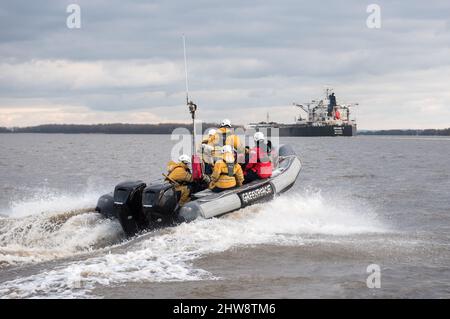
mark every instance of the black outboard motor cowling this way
{"type": "Point", "coordinates": [160, 204]}
{"type": "Point", "coordinates": [105, 206]}
{"type": "Point", "coordinates": [128, 206]}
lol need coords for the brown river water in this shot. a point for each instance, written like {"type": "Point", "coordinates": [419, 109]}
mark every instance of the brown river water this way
{"type": "Point", "coordinates": [358, 201]}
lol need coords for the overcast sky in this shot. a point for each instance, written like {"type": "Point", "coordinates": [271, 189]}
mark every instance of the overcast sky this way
{"type": "Point", "coordinates": [246, 58]}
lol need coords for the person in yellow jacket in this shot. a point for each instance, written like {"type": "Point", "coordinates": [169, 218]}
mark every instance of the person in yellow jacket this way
{"type": "Point", "coordinates": [226, 174]}
{"type": "Point", "coordinates": [180, 175]}
{"type": "Point", "coordinates": [208, 151]}
{"type": "Point", "coordinates": [225, 136]}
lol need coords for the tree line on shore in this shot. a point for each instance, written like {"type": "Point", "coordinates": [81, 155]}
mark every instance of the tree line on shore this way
{"type": "Point", "coordinates": [168, 128]}
{"type": "Point", "coordinates": [115, 128]}
{"type": "Point", "coordinates": [425, 132]}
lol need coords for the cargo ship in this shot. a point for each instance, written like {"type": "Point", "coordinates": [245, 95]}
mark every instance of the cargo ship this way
{"type": "Point", "coordinates": [324, 117]}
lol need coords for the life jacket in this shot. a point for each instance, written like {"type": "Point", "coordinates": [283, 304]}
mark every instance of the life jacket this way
{"type": "Point", "coordinates": [223, 133]}
{"type": "Point", "coordinates": [224, 136]}
{"type": "Point", "coordinates": [226, 173]}
{"type": "Point", "coordinates": [259, 162]}
{"type": "Point", "coordinates": [208, 150]}
{"type": "Point", "coordinates": [179, 172]}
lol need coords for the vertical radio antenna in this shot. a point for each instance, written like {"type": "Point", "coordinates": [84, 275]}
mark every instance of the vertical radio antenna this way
{"type": "Point", "coordinates": [186, 69]}
{"type": "Point", "coordinates": [191, 105]}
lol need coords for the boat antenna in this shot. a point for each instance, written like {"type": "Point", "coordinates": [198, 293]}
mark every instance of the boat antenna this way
{"type": "Point", "coordinates": [186, 70]}
{"type": "Point", "coordinates": [191, 105]}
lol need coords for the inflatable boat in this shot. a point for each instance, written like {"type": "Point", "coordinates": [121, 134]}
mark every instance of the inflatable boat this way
{"type": "Point", "coordinates": [139, 206]}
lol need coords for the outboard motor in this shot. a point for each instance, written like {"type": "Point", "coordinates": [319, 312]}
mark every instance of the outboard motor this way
{"type": "Point", "coordinates": [105, 206]}
{"type": "Point", "coordinates": [128, 206]}
{"type": "Point", "coordinates": [160, 204]}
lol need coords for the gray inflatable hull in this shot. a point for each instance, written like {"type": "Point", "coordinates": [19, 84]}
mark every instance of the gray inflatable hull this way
{"type": "Point", "coordinates": [207, 204]}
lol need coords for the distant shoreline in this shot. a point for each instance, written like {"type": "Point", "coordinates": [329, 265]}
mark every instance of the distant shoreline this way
{"type": "Point", "coordinates": [168, 128]}
{"type": "Point", "coordinates": [408, 132]}
{"type": "Point", "coordinates": [114, 128]}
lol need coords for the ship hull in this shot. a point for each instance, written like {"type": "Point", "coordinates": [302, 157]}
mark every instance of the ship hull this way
{"type": "Point", "coordinates": [309, 130]}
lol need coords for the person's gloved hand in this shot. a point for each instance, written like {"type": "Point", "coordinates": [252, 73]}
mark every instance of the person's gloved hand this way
{"type": "Point", "coordinates": [206, 179]}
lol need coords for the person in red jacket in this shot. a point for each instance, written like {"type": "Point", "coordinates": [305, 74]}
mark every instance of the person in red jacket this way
{"type": "Point", "coordinates": [259, 165]}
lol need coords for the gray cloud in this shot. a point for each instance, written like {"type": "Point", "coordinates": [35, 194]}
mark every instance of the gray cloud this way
{"type": "Point", "coordinates": [243, 55]}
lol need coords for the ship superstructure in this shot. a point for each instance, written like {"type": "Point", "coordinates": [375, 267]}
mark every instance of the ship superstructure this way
{"type": "Point", "coordinates": [324, 117]}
